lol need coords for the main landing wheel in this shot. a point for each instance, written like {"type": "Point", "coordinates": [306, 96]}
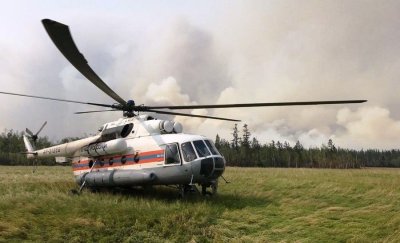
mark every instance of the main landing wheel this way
{"type": "Point", "coordinates": [186, 189]}
{"type": "Point", "coordinates": [213, 187]}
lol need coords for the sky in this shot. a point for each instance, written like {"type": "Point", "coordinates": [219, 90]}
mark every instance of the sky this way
{"type": "Point", "coordinates": [211, 52]}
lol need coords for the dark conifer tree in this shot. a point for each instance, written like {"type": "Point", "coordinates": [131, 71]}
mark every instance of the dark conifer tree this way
{"type": "Point", "coordinates": [235, 139]}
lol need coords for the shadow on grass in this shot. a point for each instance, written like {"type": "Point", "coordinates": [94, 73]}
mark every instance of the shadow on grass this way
{"type": "Point", "coordinates": [240, 201]}
{"type": "Point", "coordinates": [171, 195]}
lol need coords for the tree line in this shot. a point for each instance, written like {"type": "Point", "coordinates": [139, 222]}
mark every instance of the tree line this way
{"type": "Point", "coordinates": [249, 152]}
{"type": "Point", "coordinates": [242, 150]}
{"type": "Point", "coordinates": [12, 148]}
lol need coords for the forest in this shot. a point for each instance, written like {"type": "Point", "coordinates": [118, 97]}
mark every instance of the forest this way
{"type": "Point", "coordinates": [244, 151]}
{"type": "Point", "coordinates": [12, 148]}
{"type": "Point", "coordinates": [240, 150]}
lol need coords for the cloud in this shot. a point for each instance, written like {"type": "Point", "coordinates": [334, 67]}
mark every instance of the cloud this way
{"type": "Point", "coordinates": [187, 53]}
{"type": "Point", "coordinates": [368, 127]}
{"type": "Point", "coordinates": [313, 138]}
{"type": "Point", "coordinates": [322, 51]}
{"type": "Point", "coordinates": [263, 51]}
{"type": "Point", "coordinates": [168, 92]}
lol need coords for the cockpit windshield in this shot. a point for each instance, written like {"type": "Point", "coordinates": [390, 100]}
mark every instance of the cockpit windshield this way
{"type": "Point", "coordinates": [188, 152]}
{"type": "Point", "coordinates": [201, 148]}
{"type": "Point", "coordinates": [212, 147]}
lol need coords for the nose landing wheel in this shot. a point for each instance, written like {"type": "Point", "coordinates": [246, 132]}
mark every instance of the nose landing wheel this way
{"type": "Point", "coordinates": [213, 188]}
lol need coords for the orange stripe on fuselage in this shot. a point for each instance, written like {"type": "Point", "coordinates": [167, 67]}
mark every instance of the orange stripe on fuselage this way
{"type": "Point", "coordinates": [145, 157]}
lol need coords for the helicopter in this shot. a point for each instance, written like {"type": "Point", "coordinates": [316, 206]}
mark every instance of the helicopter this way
{"type": "Point", "coordinates": [138, 149]}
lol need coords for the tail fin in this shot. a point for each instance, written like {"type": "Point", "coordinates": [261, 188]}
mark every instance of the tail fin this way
{"type": "Point", "coordinates": [29, 147]}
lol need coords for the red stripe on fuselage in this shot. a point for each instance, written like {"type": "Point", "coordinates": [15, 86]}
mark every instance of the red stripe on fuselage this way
{"type": "Point", "coordinates": [84, 164]}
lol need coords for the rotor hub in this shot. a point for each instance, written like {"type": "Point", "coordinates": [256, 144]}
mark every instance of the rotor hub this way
{"type": "Point", "coordinates": [130, 103]}
{"type": "Point", "coordinates": [129, 108]}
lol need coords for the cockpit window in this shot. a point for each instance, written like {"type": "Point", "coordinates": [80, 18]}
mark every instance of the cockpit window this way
{"type": "Point", "coordinates": [201, 148]}
{"type": "Point", "coordinates": [188, 152]}
{"type": "Point", "coordinates": [212, 147]}
{"type": "Point", "coordinates": [172, 154]}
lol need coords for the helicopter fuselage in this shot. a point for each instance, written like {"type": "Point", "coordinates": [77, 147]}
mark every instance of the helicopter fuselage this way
{"type": "Point", "coordinates": [141, 151]}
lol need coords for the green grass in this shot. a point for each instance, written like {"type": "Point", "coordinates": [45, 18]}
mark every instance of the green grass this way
{"type": "Point", "coordinates": [273, 205]}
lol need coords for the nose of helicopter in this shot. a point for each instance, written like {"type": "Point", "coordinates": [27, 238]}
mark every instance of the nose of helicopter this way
{"type": "Point", "coordinates": [212, 167]}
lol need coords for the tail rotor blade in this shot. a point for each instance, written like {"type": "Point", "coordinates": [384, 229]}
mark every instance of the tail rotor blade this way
{"type": "Point", "coordinates": [29, 132]}
{"type": "Point", "coordinates": [44, 124]}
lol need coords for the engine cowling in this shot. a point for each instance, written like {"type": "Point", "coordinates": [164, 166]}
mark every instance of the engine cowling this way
{"type": "Point", "coordinates": [163, 126]}
{"type": "Point", "coordinates": [104, 148]}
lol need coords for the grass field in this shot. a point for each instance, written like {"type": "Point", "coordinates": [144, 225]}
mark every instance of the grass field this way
{"type": "Point", "coordinates": [260, 205]}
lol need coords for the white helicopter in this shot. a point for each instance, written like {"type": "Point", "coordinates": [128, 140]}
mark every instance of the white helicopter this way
{"type": "Point", "coordinates": [138, 150]}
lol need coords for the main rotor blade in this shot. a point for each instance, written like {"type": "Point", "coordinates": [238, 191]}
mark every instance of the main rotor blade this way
{"type": "Point", "coordinates": [56, 99]}
{"type": "Point", "coordinates": [61, 36]}
{"type": "Point", "coordinates": [330, 102]}
{"type": "Point", "coordinates": [84, 112]}
{"type": "Point", "coordinates": [44, 124]}
{"type": "Point", "coordinates": [191, 115]}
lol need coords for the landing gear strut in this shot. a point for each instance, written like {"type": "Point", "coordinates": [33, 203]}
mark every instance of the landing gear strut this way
{"type": "Point", "coordinates": [186, 189]}
{"type": "Point", "coordinates": [192, 188]}
{"type": "Point", "coordinates": [77, 192]}
{"type": "Point", "coordinates": [213, 186]}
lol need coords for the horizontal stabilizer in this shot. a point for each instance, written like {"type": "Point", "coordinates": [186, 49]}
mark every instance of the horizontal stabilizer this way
{"type": "Point", "coordinates": [34, 153]}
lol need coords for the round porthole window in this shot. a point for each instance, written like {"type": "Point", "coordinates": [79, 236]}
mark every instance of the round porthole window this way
{"type": "Point", "coordinates": [123, 160]}
{"type": "Point", "coordinates": [136, 158]}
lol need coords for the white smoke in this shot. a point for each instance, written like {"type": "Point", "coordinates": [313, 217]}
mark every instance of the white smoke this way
{"type": "Point", "coordinates": [368, 124]}
{"type": "Point", "coordinates": [167, 92]}
{"type": "Point", "coordinates": [259, 51]}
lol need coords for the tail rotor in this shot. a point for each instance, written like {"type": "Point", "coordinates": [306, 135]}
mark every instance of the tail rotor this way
{"type": "Point", "coordinates": [31, 147]}
{"type": "Point", "coordinates": [32, 136]}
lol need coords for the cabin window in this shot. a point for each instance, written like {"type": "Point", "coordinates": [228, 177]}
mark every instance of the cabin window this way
{"type": "Point", "coordinates": [123, 160]}
{"type": "Point", "coordinates": [102, 162]}
{"type": "Point", "coordinates": [136, 158]}
{"type": "Point", "coordinates": [188, 152]}
{"type": "Point", "coordinates": [90, 164]}
{"type": "Point", "coordinates": [201, 148]}
{"type": "Point", "coordinates": [111, 161]}
{"type": "Point", "coordinates": [172, 154]}
{"type": "Point", "coordinates": [212, 147]}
